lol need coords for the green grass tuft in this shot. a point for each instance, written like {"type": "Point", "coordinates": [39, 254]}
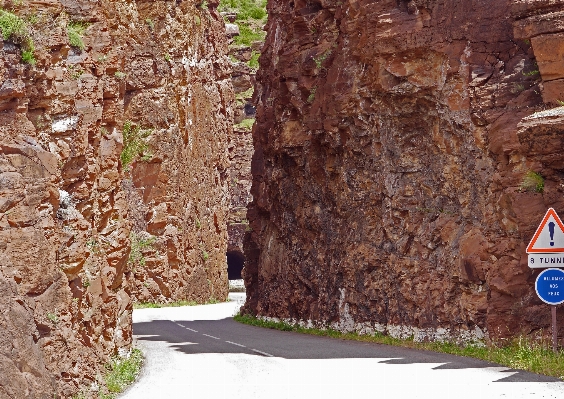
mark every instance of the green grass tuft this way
{"type": "Point", "coordinates": [138, 245]}
{"type": "Point", "coordinates": [134, 144]}
{"type": "Point", "coordinates": [123, 371]}
{"type": "Point", "coordinates": [533, 182]}
{"type": "Point", "coordinates": [27, 57]}
{"type": "Point", "coordinates": [251, 17]}
{"type": "Point", "coordinates": [241, 97]}
{"type": "Point", "coordinates": [246, 124]}
{"type": "Point", "coordinates": [245, 9]}
{"type": "Point", "coordinates": [319, 60]}
{"type": "Point", "coordinates": [253, 62]}
{"type": "Point", "coordinates": [311, 96]}
{"type": "Point", "coordinates": [248, 35]}
{"type": "Point", "coordinates": [520, 353]}
{"type": "Point", "coordinates": [75, 31]}
{"type": "Point", "coordinates": [15, 29]}
{"type": "Point", "coordinates": [153, 305]}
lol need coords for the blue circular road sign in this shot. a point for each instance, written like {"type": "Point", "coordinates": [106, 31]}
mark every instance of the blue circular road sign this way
{"type": "Point", "coordinates": [550, 286]}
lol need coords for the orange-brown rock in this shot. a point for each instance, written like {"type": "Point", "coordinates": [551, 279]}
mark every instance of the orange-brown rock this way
{"type": "Point", "coordinates": [65, 199]}
{"type": "Point", "coordinates": [391, 143]}
{"type": "Point", "coordinates": [179, 197]}
{"type": "Point", "coordinates": [542, 23]}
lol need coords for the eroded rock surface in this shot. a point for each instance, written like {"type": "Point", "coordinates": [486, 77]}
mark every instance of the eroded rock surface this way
{"type": "Point", "coordinates": [542, 22]}
{"type": "Point", "coordinates": [391, 144]}
{"type": "Point", "coordinates": [179, 197]}
{"type": "Point", "coordinates": [68, 207]}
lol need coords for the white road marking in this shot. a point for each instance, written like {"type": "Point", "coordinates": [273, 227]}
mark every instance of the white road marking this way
{"type": "Point", "coordinates": [245, 375]}
{"type": "Point", "coordinates": [234, 343]}
{"type": "Point", "coordinates": [211, 336]}
{"type": "Point", "coordinates": [262, 353]}
{"type": "Point", "coordinates": [183, 326]}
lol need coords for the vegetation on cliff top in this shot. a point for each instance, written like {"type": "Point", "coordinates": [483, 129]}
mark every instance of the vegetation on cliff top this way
{"type": "Point", "coordinates": [245, 9]}
{"type": "Point", "coordinates": [522, 353]}
{"type": "Point", "coordinates": [251, 18]}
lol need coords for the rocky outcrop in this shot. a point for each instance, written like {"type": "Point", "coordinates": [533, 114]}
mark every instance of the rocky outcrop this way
{"type": "Point", "coordinates": [390, 153]}
{"type": "Point", "coordinates": [179, 192]}
{"type": "Point", "coordinates": [542, 24]}
{"type": "Point", "coordinates": [81, 83]}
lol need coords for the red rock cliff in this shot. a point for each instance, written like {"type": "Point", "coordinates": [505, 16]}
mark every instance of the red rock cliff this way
{"type": "Point", "coordinates": [392, 145]}
{"type": "Point", "coordinates": [67, 204]}
{"type": "Point", "coordinates": [179, 85]}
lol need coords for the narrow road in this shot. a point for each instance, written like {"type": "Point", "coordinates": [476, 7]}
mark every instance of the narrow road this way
{"type": "Point", "coordinates": [200, 352]}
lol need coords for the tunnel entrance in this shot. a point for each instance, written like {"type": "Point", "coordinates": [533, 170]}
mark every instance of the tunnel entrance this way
{"type": "Point", "coordinates": [235, 262]}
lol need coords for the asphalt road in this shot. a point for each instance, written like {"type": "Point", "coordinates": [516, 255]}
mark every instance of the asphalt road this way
{"type": "Point", "coordinates": [200, 352]}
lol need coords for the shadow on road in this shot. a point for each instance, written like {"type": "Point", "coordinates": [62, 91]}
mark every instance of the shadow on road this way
{"type": "Point", "coordinates": [228, 336]}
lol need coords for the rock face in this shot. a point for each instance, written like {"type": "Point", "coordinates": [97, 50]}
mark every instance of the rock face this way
{"type": "Point", "coordinates": [240, 154]}
{"type": "Point", "coordinates": [542, 22]}
{"type": "Point", "coordinates": [243, 54]}
{"type": "Point", "coordinates": [179, 197]}
{"type": "Point", "coordinates": [391, 147]}
{"type": "Point", "coordinates": [68, 205]}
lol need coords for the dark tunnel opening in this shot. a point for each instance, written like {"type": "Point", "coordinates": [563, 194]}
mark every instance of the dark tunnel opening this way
{"type": "Point", "coordinates": [235, 262]}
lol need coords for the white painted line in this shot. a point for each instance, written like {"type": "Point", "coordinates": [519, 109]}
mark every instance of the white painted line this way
{"type": "Point", "coordinates": [211, 336]}
{"type": "Point", "coordinates": [188, 328]}
{"type": "Point", "coordinates": [262, 353]}
{"type": "Point", "coordinates": [234, 343]}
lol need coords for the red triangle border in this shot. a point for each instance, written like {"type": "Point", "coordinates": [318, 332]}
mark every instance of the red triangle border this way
{"type": "Point", "coordinates": [550, 212]}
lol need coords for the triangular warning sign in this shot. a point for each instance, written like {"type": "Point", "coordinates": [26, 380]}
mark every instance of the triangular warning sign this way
{"type": "Point", "coordinates": [549, 236]}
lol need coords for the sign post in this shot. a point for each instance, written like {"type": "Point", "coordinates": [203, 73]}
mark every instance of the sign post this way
{"type": "Point", "coordinates": [546, 250]}
{"type": "Point", "coordinates": [550, 289]}
{"type": "Point", "coordinates": [554, 335]}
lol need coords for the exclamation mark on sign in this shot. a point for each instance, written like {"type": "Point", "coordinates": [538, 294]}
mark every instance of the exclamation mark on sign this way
{"type": "Point", "coordinates": [551, 231]}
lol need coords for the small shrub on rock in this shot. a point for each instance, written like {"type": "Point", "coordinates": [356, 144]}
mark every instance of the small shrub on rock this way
{"type": "Point", "coordinates": [15, 29]}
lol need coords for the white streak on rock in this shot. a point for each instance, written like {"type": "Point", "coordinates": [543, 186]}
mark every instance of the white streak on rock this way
{"type": "Point", "coordinates": [65, 124]}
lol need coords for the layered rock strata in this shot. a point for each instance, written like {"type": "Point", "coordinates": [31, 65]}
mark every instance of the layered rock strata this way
{"type": "Point", "coordinates": [392, 145]}
{"type": "Point", "coordinates": [67, 202]}
{"type": "Point", "coordinates": [542, 24]}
